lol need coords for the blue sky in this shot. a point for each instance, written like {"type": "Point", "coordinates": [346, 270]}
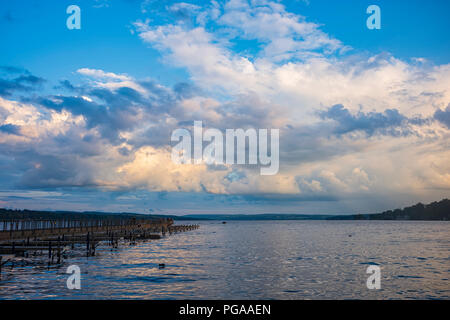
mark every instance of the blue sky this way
{"type": "Point", "coordinates": [354, 105]}
{"type": "Point", "coordinates": [409, 29]}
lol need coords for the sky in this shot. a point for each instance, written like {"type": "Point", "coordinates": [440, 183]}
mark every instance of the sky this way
{"type": "Point", "coordinates": [86, 115]}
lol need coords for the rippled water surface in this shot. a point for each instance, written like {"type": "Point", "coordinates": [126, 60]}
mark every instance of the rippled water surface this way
{"type": "Point", "coordinates": [257, 260]}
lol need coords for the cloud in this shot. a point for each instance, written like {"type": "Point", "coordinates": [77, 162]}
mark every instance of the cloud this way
{"type": "Point", "coordinates": [153, 169]}
{"type": "Point", "coordinates": [12, 69]}
{"type": "Point", "coordinates": [184, 11]}
{"type": "Point", "coordinates": [286, 35]}
{"type": "Point", "coordinates": [443, 116]}
{"type": "Point", "coordinates": [55, 170]}
{"type": "Point", "coordinates": [302, 86]}
{"type": "Point", "coordinates": [97, 73]}
{"type": "Point", "coordinates": [112, 81]}
{"type": "Point", "coordinates": [14, 79]}
{"type": "Point", "coordinates": [354, 127]}
{"type": "Point", "coordinates": [388, 122]}
{"type": "Point", "coordinates": [10, 128]}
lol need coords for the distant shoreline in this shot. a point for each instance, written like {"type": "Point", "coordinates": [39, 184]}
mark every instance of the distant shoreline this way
{"type": "Point", "coordinates": [436, 211]}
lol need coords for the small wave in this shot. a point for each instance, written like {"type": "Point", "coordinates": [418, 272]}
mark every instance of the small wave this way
{"type": "Point", "coordinates": [370, 263]}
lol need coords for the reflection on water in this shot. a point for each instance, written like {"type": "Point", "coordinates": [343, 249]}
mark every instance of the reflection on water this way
{"type": "Point", "coordinates": [258, 260]}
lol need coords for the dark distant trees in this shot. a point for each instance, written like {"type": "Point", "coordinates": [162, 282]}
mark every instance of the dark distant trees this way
{"type": "Point", "coordinates": [8, 214]}
{"type": "Point", "coordinates": [433, 211]}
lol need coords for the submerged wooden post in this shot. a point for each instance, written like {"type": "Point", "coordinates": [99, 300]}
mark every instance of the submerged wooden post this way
{"type": "Point", "coordinates": [59, 250]}
{"type": "Point", "coordinates": [93, 245]}
{"type": "Point", "coordinates": [87, 244]}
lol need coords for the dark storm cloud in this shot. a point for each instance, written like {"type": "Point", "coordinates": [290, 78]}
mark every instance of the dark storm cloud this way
{"type": "Point", "coordinates": [17, 79]}
{"type": "Point", "coordinates": [443, 116]}
{"type": "Point", "coordinates": [45, 171]}
{"type": "Point", "coordinates": [157, 136]}
{"type": "Point", "coordinates": [183, 11]}
{"type": "Point", "coordinates": [122, 109]}
{"type": "Point", "coordinates": [109, 111]}
{"type": "Point", "coordinates": [119, 98]}
{"type": "Point", "coordinates": [72, 143]}
{"type": "Point", "coordinates": [29, 79]}
{"type": "Point", "coordinates": [108, 118]}
{"type": "Point", "coordinates": [306, 144]}
{"type": "Point", "coordinates": [12, 69]}
{"type": "Point", "coordinates": [280, 199]}
{"type": "Point", "coordinates": [7, 87]}
{"type": "Point", "coordinates": [161, 99]}
{"type": "Point", "coordinates": [63, 160]}
{"type": "Point", "coordinates": [76, 105]}
{"type": "Point", "coordinates": [389, 122]}
{"type": "Point", "coordinates": [184, 90]}
{"type": "Point", "coordinates": [10, 128]}
{"type": "Point", "coordinates": [68, 86]}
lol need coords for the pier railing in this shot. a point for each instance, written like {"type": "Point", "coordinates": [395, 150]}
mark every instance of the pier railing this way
{"type": "Point", "coordinates": [33, 224]}
{"type": "Point", "coordinates": [29, 228]}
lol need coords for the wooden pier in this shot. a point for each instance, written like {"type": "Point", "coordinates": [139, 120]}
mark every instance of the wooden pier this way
{"type": "Point", "coordinates": [54, 238]}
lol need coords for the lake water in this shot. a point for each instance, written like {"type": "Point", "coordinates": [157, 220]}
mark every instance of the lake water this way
{"type": "Point", "coordinates": [257, 260]}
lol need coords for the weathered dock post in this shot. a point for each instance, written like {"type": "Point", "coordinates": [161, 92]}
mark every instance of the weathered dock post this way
{"type": "Point", "coordinates": [59, 251]}
{"type": "Point", "coordinates": [93, 245]}
{"type": "Point", "coordinates": [49, 250]}
{"type": "Point", "coordinates": [87, 244]}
